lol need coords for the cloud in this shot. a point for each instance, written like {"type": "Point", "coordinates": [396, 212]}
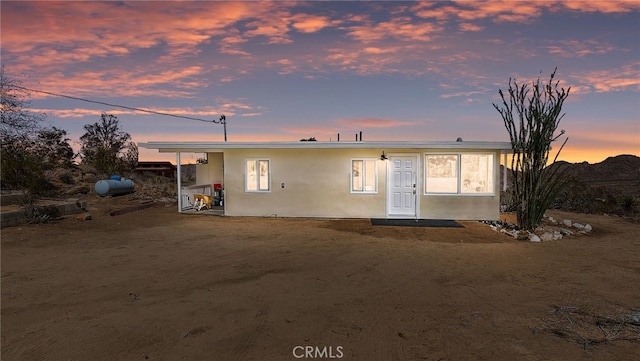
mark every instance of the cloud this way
{"type": "Point", "coordinates": [229, 107]}
{"type": "Point", "coordinates": [461, 94]}
{"type": "Point", "coordinates": [466, 11]}
{"type": "Point", "coordinates": [575, 48]}
{"type": "Point", "coordinates": [231, 43]}
{"type": "Point", "coordinates": [400, 28]}
{"type": "Point", "coordinates": [138, 81]}
{"type": "Point", "coordinates": [108, 29]}
{"type": "Point", "coordinates": [624, 78]}
{"type": "Point", "coordinates": [470, 27]}
{"type": "Point", "coordinates": [306, 23]}
{"type": "Point", "coordinates": [606, 7]}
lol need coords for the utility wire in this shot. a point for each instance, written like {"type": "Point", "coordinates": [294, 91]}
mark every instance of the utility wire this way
{"type": "Point", "coordinates": [221, 121]}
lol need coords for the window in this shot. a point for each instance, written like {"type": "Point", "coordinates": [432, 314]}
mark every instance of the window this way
{"type": "Point", "coordinates": [465, 173]}
{"type": "Point", "coordinates": [442, 173]}
{"type": "Point", "coordinates": [258, 175]}
{"type": "Point", "coordinates": [476, 173]}
{"type": "Point", "coordinates": [364, 176]}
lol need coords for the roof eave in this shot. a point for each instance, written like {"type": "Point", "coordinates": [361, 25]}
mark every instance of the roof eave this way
{"type": "Point", "coordinates": [203, 147]}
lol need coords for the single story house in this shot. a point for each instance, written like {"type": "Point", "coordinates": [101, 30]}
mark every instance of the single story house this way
{"type": "Point", "coordinates": [354, 179]}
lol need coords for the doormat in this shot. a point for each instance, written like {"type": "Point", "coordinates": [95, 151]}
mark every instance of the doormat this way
{"type": "Point", "coordinates": [416, 223]}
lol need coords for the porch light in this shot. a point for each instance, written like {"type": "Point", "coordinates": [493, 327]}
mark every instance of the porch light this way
{"type": "Point", "coordinates": [383, 156]}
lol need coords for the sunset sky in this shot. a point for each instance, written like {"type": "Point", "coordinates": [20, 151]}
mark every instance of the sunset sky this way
{"type": "Point", "coordinates": [284, 71]}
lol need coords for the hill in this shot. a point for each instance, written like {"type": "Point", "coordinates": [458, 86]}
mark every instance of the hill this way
{"type": "Point", "coordinates": [611, 186]}
{"type": "Point", "coordinates": [619, 175]}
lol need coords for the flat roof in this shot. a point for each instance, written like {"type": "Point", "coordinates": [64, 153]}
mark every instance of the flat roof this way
{"type": "Point", "coordinates": [212, 147]}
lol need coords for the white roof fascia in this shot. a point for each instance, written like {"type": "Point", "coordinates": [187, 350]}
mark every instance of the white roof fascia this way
{"type": "Point", "coordinates": [200, 147]}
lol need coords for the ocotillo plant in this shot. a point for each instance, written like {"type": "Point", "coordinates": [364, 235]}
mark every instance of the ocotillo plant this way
{"type": "Point", "coordinates": [532, 121]}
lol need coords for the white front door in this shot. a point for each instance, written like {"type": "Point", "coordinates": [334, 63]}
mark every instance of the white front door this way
{"type": "Point", "coordinates": [402, 186]}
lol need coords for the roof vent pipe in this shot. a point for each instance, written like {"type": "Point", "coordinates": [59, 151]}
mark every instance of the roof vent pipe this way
{"type": "Point", "coordinates": [459, 139]}
{"type": "Point", "coordinates": [361, 135]}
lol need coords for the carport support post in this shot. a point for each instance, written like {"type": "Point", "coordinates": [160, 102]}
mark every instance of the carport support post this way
{"type": "Point", "coordinates": [179, 182]}
{"type": "Point", "coordinates": [504, 174]}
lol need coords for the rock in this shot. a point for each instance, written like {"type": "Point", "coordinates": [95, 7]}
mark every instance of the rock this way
{"type": "Point", "coordinates": [631, 317]}
{"type": "Point", "coordinates": [533, 238]}
{"type": "Point", "coordinates": [557, 236]}
{"type": "Point", "coordinates": [546, 236]}
{"type": "Point", "coordinates": [84, 217]}
{"type": "Point", "coordinates": [566, 222]}
{"type": "Point", "coordinates": [566, 232]}
{"type": "Point", "coordinates": [578, 226]}
{"type": "Point", "coordinates": [587, 228]}
{"type": "Point", "coordinates": [513, 234]}
{"type": "Point", "coordinates": [552, 220]}
{"type": "Point", "coordinates": [79, 189]}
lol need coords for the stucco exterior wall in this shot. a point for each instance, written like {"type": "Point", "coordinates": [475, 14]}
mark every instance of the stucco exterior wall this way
{"type": "Point", "coordinates": [460, 207]}
{"type": "Point", "coordinates": [317, 183]}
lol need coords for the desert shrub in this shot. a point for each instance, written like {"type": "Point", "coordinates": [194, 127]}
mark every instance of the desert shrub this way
{"type": "Point", "coordinates": [629, 204]}
{"type": "Point", "coordinates": [36, 214]}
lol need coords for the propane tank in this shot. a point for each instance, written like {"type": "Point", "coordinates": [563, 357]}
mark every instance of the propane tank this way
{"type": "Point", "coordinates": [114, 186]}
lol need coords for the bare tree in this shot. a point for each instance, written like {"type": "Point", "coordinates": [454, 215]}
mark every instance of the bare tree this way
{"type": "Point", "coordinates": [16, 120]}
{"type": "Point", "coordinates": [22, 169]}
{"type": "Point", "coordinates": [537, 111]}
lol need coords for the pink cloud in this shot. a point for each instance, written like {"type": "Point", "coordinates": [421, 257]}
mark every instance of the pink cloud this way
{"type": "Point", "coordinates": [573, 48]}
{"type": "Point", "coordinates": [620, 79]}
{"type": "Point", "coordinates": [306, 23]}
{"type": "Point", "coordinates": [602, 6]}
{"type": "Point", "coordinates": [514, 11]}
{"type": "Point", "coordinates": [231, 108]}
{"type": "Point", "coordinates": [401, 28]}
{"type": "Point", "coordinates": [470, 27]}
{"type": "Point", "coordinates": [497, 10]}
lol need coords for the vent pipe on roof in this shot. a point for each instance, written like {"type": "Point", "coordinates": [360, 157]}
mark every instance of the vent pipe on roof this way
{"type": "Point", "coordinates": [361, 135]}
{"type": "Point", "coordinates": [338, 137]}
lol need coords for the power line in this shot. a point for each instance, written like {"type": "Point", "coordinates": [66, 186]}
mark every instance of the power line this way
{"type": "Point", "coordinates": [221, 121]}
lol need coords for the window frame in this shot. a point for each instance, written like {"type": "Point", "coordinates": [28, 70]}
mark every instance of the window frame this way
{"type": "Point", "coordinates": [258, 183]}
{"type": "Point", "coordinates": [459, 181]}
{"type": "Point", "coordinates": [364, 176]}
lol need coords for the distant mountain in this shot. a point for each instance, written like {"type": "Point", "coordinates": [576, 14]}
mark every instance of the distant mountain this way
{"type": "Point", "coordinates": [619, 168]}
{"type": "Point", "coordinates": [611, 186]}
{"type": "Point", "coordinates": [619, 175]}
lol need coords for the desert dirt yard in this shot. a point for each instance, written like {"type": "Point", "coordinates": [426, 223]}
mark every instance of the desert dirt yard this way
{"type": "Point", "coordinates": [157, 285]}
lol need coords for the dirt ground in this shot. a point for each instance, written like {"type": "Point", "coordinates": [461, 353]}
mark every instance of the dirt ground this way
{"type": "Point", "coordinates": [157, 285]}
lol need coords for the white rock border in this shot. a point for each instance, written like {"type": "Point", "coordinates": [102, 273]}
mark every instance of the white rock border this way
{"type": "Point", "coordinates": [554, 230]}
